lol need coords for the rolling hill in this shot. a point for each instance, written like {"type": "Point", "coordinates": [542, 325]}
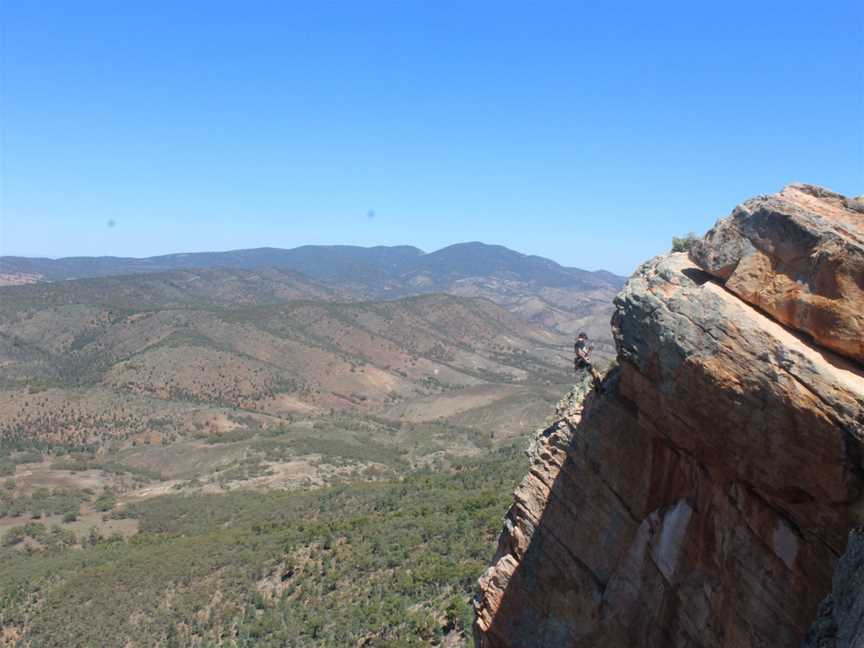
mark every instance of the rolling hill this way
{"type": "Point", "coordinates": [251, 443]}
{"type": "Point", "coordinates": [88, 360]}
{"type": "Point", "coordinates": [534, 288]}
{"type": "Point", "coordinates": [345, 264]}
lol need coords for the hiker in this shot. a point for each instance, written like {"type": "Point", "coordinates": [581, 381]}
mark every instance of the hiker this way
{"type": "Point", "coordinates": [582, 358]}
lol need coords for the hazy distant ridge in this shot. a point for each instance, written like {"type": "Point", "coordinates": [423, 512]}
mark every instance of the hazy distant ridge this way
{"type": "Point", "coordinates": [343, 263]}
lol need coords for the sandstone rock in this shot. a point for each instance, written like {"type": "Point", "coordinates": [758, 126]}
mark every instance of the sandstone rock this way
{"type": "Point", "coordinates": [841, 615]}
{"type": "Point", "coordinates": [799, 256]}
{"type": "Point", "coordinates": [703, 499]}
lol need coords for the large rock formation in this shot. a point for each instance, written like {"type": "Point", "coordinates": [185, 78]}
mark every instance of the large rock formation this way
{"type": "Point", "coordinates": [704, 497]}
{"type": "Point", "coordinates": [798, 256]}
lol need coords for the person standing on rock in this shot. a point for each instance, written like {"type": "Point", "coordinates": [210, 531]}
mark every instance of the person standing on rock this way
{"type": "Point", "coordinates": [582, 358]}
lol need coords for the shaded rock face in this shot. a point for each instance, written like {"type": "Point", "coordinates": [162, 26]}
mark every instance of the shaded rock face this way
{"type": "Point", "coordinates": [841, 616]}
{"type": "Point", "coordinates": [703, 498]}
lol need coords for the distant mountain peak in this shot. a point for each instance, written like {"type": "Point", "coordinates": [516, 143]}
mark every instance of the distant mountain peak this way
{"type": "Point", "coordinates": [375, 266]}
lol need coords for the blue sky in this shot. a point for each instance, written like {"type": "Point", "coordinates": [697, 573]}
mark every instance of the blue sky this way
{"type": "Point", "coordinates": [586, 132]}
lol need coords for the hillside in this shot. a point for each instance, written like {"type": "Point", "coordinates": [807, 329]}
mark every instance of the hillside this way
{"type": "Point", "coordinates": [340, 263]}
{"type": "Point", "coordinates": [720, 466]}
{"type": "Point", "coordinates": [209, 287]}
{"type": "Point", "coordinates": [204, 342]}
{"type": "Point", "coordinates": [535, 288]}
{"type": "Point", "coordinates": [268, 459]}
{"type": "Point", "coordinates": [378, 564]}
{"type": "Point", "coordinates": [329, 262]}
{"type": "Point", "coordinates": [337, 417]}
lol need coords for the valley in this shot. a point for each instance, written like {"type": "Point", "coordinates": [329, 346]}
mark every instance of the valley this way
{"type": "Point", "coordinates": [96, 369]}
{"type": "Point", "coordinates": [241, 456]}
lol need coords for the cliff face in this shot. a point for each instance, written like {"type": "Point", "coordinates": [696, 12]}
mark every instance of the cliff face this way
{"type": "Point", "coordinates": [704, 497]}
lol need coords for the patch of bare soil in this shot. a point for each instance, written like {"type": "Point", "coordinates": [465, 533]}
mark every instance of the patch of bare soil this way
{"type": "Point", "coordinates": [284, 403]}
{"type": "Point", "coordinates": [430, 408]}
{"type": "Point", "coordinates": [183, 460]}
{"type": "Point", "coordinates": [305, 472]}
{"type": "Point", "coordinates": [30, 477]}
{"type": "Point", "coordinates": [18, 279]}
{"type": "Point", "coordinates": [9, 636]}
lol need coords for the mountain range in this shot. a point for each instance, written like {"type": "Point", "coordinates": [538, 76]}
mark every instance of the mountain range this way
{"type": "Point", "coordinates": [327, 385]}
{"type": "Point", "coordinates": [388, 266]}
{"type": "Point", "coordinates": [535, 288]}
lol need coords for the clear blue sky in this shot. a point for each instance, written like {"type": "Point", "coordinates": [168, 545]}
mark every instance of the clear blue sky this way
{"type": "Point", "coordinates": [586, 132]}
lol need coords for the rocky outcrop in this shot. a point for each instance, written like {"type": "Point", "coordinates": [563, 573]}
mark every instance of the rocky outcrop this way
{"type": "Point", "coordinates": [703, 498]}
{"type": "Point", "coordinates": [841, 616]}
{"type": "Point", "coordinates": [798, 256]}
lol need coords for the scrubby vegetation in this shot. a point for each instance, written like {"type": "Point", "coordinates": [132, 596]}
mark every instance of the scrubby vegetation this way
{"type": "Point", "coordinates": [684, 243]}
{"type": "Point", "coordinates": [136, 417]}
{"type": "Point", "coordinates": [58, 501]}
{"type": "Point", "coordinates": [379, 564]}
{"type": "Point", "coordinates": [80, 464]}
{"type": "Point", "coordinates": [91, 365]}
